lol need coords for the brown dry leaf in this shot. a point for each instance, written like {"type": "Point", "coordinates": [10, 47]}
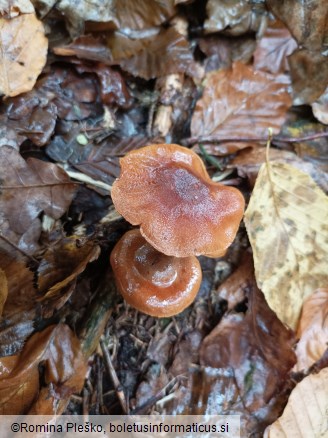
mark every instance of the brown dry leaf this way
{"type": "Point", "coordinates": [240, 103]}
{"type": "Point", "coordinates": [312, 330]}
{"type": "Point", "coordinates": [273, 48]}
{"type": "Point", "coordinates": [23, 53]}
{"type": "Point", "coordinates": [59, 350]}
{"type": "Point", "coordinates": [3, 290]}
{"type": "Point", "coordinates": [29, 188]}
{"type": "Point", "coordinates": [320, 108]}
{"type": "Point", "coordinates": [305, 415]}
{"type": "Point", "coordinates": [286, 221]}
{"type": "Point", "coordinates": [248, 163]}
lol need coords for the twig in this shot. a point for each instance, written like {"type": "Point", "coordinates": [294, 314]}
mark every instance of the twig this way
{"type": "Point", "coordinates": [111, 371]}
{"type": "Point", "coordinates": [275, 139]}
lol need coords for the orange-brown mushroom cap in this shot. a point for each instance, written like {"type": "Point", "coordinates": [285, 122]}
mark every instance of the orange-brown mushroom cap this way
{"type": "Point", "coordinates": [152, 282]}
{"type": "Point", "coordinates": [166, 189]}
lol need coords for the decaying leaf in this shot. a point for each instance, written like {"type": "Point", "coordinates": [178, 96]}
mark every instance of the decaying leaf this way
{"type": "Point", "coordinates": [23, 53]}
{"type": "Point", "coordinates": [240, 103]}
{"type": "Point", "coordinates": [64, 370]}
{"type": "Point", "coordinates": [286, 221]}
{"type": "Point", "coordinates": [312, 330]}
{"type": "Point", "coordinates": [59, 268]}
{"type": "Point", "coordinates": [306, 412]}
{"type": "Point", "coordinates": [12, 8]}
{"type": "Point", "coordinates": [29, 188]}
{"type": "Point", "coordinates": [273, 48]}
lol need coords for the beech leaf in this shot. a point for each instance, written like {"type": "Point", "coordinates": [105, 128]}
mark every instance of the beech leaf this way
{"type": "Point", "coordinates": [286, 221]}
{"type": "Point", "coordinates": [313, 330]}
{"type": "Point", "coordinates": [31, 187]}
{"type": "Point", "coordinates": [240, 102]}
{"type": "Point", "coordinates": [3, 289]}
{"type": "Point", "coordinates": [23, 53]}
{"type": "Point", "coordinates": [306, 412]}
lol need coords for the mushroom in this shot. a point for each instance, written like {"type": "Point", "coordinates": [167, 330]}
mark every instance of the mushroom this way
{"type": "Point", "coordinates": [166, 189]}
{"type": "Point", "coordinates": [152, 282]}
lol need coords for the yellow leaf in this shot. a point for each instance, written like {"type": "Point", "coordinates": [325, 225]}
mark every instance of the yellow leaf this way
{"type": "Point", "coordinates": [23, 53]}
{"type": "Point", "coordinates": [305, 415]}
{"type": "Point", "coordinates": [287, 223]}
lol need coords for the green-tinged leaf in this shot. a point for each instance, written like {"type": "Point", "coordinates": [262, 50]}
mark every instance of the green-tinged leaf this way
{"type": "Point", "coordinates": [287, 224]}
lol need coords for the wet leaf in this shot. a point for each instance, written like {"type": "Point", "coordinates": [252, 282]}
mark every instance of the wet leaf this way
{"type": "Point", "coordinates": [286, 221]}
{"type": "Point", "coordinates": [59, 350]}
{"type": "Point", "coordinates": [306, 411]}
{"type": "Point", "coordinates": [30, 188]}
{"type": "Point", "coordinates": [312, 330]}
{"type": "Point", "coordinates": [273, 48]}
{"type": "Point", "coordinates": [240, 103]}
{"type": "Point", "coordinates": [21, 290]}
{"type": "Point", "coordinates": [23, 53]}
{"type": "Point", "coordinates": [238, 16]}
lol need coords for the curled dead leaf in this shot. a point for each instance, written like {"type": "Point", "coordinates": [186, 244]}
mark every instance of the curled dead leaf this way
{"type": "Point", "coordinates": [23, 53]}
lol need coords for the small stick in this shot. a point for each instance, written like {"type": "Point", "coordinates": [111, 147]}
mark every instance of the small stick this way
{"type": "Point", "coordinates": [111, 371]}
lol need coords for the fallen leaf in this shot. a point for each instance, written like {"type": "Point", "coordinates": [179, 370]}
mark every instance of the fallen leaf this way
{"type": "Point", "coordinates": [29, 188]}
{"type": "Point", "coordinates": [3, 290]}
{"type": "Point", "coordinates": [238, 16]}
{"type": "Point", "coordinates": [59, 268]}
{"type": "Point", "coordinates": [273, 48]}
{"type": "Point", "coordinates": [320, 108]}
{"type": "Point", "coordinates": [20, 281]}
{"type": "Point", "coordinates": [240, 103]}
{"type": "Point", "coordinates": [14, 330]}
{"type": "Point", "coordinates": [306, 412]}
{"type": "Point", "coordinates": [248, 163]}
{"type": "Point", "coordinates": [286, 221]}
{"type": "Point", "coordinates": [312, 330]}
{"type": "Point", "coordinates": [64, 370]}
{"type": "Point", "coordinates": [309, 73]}
{"type": "Point", "coordinates": [306, 20]}
{"type": "Point", "coordinates": [23, 53]}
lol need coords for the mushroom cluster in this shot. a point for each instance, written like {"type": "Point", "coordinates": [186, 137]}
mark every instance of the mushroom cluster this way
{"type": "Point", "coordinates": [182, 213]}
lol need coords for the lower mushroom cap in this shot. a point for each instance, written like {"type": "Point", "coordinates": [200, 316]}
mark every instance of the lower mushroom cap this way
{"type": "Point", "coordinates": [152, 282]}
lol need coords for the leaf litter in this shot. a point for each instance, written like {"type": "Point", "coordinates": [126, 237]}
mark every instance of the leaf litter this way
{"type": "Point", "coordinates": [115, 80]}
